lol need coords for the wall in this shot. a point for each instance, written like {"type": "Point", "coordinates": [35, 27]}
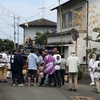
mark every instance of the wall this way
{"type": "Point", "coordinates": [31, 31]}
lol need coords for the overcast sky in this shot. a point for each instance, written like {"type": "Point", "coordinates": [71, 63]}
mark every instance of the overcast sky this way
{"type": "Point", "coordinates": [26, 10]}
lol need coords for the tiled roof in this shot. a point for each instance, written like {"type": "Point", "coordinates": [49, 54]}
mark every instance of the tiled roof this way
{"type": "Point", "coordinates": [40, 22]}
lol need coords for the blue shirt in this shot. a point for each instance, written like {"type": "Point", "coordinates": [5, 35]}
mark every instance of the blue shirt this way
{"type": "Point", "coordinates": [32, 60]}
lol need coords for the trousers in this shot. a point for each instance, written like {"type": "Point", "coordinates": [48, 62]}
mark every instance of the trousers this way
{"type": "Point", "coordinates": [91, 76]}
{"type": "Point", "coordinates": [3, 72]}
{"type": "Point", "coordinates": [97, 81]}
{"type": "Point", "coordinates": [73, 80]}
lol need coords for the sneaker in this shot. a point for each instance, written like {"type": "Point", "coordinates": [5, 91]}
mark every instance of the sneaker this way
{"type": "Point", "coordinates": [5, 81]}
{"type": "Point", "coordinates": [70, 89]}
{"type": "Point", "coordinates": [98, 92]}
{"type": "Point", "coordinates": [92, 83]}
{"type": "Point", "coordinates": [0, 81]}
{"type": "Point", "coordinates": [20, 85]}
{"type": "Point", "coordinates": [75, 90]}
{"type": "Point", "coordinates": [34, 84]}
{"type": "Point", "coordinates": [14, 84]}
{"type": "Point", "coordinates": [28, 84]}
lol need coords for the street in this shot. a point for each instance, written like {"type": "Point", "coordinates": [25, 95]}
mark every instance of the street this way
{"type": "Point", "coordinates": [85, 92]}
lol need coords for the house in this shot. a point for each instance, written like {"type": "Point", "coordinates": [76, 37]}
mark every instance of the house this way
{"type": "Point", "coordinates": [63, 37]}
{"type": "Point", "coordinates": [41, 25]}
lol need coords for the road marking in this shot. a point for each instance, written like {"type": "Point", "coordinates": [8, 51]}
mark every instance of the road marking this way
{"type": "Point", "coordinates": [83, 98]}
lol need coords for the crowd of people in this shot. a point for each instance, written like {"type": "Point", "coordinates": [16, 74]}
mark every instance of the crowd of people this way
{"type": "Point", "coordinates": [47, 68]}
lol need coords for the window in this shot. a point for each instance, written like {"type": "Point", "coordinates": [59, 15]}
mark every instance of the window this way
{"type": "Point", "coordinates": [68, 17]}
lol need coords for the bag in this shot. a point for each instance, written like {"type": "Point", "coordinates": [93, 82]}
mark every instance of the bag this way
{"type": "Point", "coordinates": [41, 74]}
{"type": "Point", "coordinates": [24, 72]}
{"type": "Point", "coordinates": [66, 78]}
{"type": "Point", "coordinates": [41, 69]}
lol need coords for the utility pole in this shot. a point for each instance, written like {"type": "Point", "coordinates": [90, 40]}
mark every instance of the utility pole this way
{"type": "Point", "coordinates": [60, 23]}
{"type": "Point", "coordinates": [18, 31]}
{"type": "Point", "coordinates": [14, 34]}
{"type": "Point", "coordinates": [42, 7]}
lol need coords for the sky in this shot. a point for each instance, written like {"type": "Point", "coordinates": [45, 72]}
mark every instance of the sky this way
{"type": "Point", "coordinates": [24, 10]}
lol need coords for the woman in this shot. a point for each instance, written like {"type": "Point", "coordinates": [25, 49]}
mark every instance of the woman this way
{"type": "Point", "coordinates": [49, 66]}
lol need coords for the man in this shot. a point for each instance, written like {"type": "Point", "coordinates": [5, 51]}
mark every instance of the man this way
{"type": "Point", "coordinates": [62, 68]}
{"type": "Point", "coordinates": [90, 66]}
{"type": "Point", "coordinates": [3, 65]}
{"type": "Point", "coordinates": [20, 65]}
{"type": "Point", "coordinates": [15, 68]}
{"type": "Point", "coordinates": [32, 60]}
{"type": "Point", "coordinates": [96, 73]}
{"type": "Point", "coordinates": [9, 73]}
{"type": "Point", "coordinates": [57, 77]}
{"type": "Point", "coordinates": [73, 62]}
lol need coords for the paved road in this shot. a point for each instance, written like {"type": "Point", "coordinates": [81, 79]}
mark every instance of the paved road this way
{"type": "Point", "coordinates": [9, 92]}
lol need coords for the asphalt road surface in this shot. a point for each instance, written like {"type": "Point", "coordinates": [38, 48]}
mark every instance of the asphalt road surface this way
{"type": "Point", "coordinates": [85, 92]}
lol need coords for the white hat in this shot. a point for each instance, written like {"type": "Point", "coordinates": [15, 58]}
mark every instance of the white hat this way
{"type": "Point", "coordinates": [72, 51]}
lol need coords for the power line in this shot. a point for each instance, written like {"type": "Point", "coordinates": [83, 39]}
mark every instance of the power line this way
{"type": "Point", "coordinates": [26, 18]}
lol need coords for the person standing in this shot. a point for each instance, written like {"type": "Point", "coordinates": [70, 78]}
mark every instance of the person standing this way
{"type": "Point", "coordinates": [62, 68]}
{"type": "Point", "coordinates": [49, 68]}
{"type": "Point", "coordinates": [57, 77]}
{"type": "Point", "coordinates": [9, 73]}
{"type": "Point", "coordinates": [32, 60]}
{"type": "Point", "coordinates": [3, 65]}
{"type": "Point", "coordinates": [14, 61]}
{"type": "Point", "coordinates": [20, 65]}
{"type": "Point", "coordinates": [72, 63]}
{"type": "Point", "coordinates": [96, 74]}
{"type": "Point", "coordinates": [90, 66]}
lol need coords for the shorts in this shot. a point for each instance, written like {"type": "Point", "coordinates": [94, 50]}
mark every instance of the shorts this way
{"type": "Point", "coordinates": [32, 73]}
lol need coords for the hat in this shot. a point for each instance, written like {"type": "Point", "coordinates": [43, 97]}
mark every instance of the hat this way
{"type": "Point", "coordinates": [49, 51]}
{"type": "Point", "coordinates": [72, 51]}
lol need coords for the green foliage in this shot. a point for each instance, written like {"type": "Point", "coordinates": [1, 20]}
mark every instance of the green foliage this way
{"type": "Point", "coordinates": [80, 74]}
{"type": "Point", "coordinates": [41, 38]}
{"type": "Point", "coordinates": [20, 46]}
{"type": "Point", "coordinates": [8, 45]}
{"type": "Point", "coordinates": [91, 50]}
{"type": "Point", "coordinates": [96, 29]}
{"type": "Point", "coordinates": [88, 38]}
{"type": "Point", "coordinates": [97, 57]}
{"type": "Point", "coordinates": [97, 40]}
{"type": "Point", "coordinates": [1, 43]}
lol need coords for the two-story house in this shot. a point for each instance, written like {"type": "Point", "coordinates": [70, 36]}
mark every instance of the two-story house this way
{"type": "Point", "coordinates": [63, 37]}
{"type": "Point", "coordinates": [40, 25]}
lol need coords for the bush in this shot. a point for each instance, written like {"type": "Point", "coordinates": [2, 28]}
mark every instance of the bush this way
{"type": "Point", "coordinates": [80, 75]}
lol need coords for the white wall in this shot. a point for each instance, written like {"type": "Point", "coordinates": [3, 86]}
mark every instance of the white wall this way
{"type": "Point", "coordinates": [31, 31]}
{"type": "Point", "coordinates": [65, 38]}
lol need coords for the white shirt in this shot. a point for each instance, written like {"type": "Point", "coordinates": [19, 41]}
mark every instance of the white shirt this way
{"type": "Point", "coordinates": [96, 70]}
{"type": "Point", "coordinates": [3, 59]}
{"type": "Point", "coordinates": [73, 62]}
{"type": "Point", "coordinates": [91, 63]}
{"type": "Point", "coordinates": [57, 62]}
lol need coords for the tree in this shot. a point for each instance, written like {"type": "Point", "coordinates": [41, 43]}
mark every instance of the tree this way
{"type": "Point", "coordinates": [1, 43]}
{"type": "Point", "coordinates": [41, 38]}
{"type": "Point", "coordinates": [81, 21]}
{"type": "Point", "coordinates": [9, 45]}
